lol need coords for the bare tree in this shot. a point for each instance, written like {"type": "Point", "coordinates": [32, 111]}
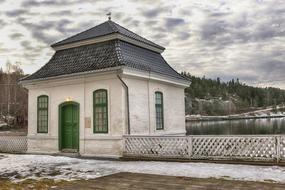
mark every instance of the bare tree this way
{"type": "Point", "coordinates": [13, 97]}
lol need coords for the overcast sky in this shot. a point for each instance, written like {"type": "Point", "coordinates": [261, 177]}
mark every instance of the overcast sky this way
{"type": "Point", "coordinates": [217, 38]}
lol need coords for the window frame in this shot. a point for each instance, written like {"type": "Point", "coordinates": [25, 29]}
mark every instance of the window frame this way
{"type": "Point", "coordinates": [100, 105]}
{"type": "Point", "coordinates": [47, 116]}
{"type": "Point", "coordinates": [161, 105]}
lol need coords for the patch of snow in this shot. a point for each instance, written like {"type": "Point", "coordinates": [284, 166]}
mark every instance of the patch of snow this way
{"type": "Point", "coordinates": [21, 167]}
{"type": "Point", "coordinates": [3, 125]}
{"type": "Point", "coordinates": [263, 115]}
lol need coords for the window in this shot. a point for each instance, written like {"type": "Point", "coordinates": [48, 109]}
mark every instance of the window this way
{"type": "Point", "coordinates": [159, 110]}
{"type": "Point", "coordinates": [42, 114]}
{"type": "Point", "coordinates": [100, 111]}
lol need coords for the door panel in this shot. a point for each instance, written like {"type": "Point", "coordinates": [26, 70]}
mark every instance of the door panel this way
{"type": "Point", "coordinates": [75, 132]}
{"type": "Point", "coordinates": [69, 127]}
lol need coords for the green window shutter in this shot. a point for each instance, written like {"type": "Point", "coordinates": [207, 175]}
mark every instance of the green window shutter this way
{"type": "Point", "coordinates": [42, 117]}
{"type": "Point", "coordinates": [159, 111]}
{"type": "Point", "coordinates": [100, 111]}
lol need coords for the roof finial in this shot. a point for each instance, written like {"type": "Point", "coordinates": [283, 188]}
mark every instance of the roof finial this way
{"type": "Point", "coordinates": [109, 15]}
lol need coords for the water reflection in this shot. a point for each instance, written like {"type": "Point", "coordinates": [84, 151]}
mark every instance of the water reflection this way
{"type": "Point", "coordinates": [237, 127]}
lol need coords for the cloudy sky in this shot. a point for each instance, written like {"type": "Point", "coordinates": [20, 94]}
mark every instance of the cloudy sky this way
{"type": "Point", "coordinates": [217, 38]}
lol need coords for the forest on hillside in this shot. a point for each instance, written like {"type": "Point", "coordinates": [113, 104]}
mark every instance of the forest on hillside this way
{"type": "Point", "coordinates": [214, 97]}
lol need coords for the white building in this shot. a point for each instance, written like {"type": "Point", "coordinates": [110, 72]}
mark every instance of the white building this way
{"type": "Point", "coordinates": [99, 85]}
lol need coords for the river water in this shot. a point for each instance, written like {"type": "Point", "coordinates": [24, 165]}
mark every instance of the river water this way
{"type": "Point", "coordinates": [237, 127]}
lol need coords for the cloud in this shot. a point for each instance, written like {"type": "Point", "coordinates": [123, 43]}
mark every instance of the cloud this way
{"type": "Point", "coordinates": [35, 3]}
{"type": "Point", "coordinates": [183, 35]}
{"type": "Point", "coordinates": [158, 36]}
{"type": "Point", "coordinates": [154, 12]}
{"type": "Point", "coordinates": [171, 23]}
{"type": "Point", "coordinates": [29, 24]}
{"type": "Point", "coordinates": [4, 49]}
{"type": "Point", "coordinates": [16, 12]}
{"type": "Point", "coordinates": [2, 23]}
{"type": "Point", "coordinates": [147, 2]}
{"type": "Point", "coordinates": [151, 13]}
{"type": "Point", "coordinates": [26, 45]}
{"type": "Point", "coordinates": [61, 26]}
{"type": "Point", "coordinates": [221, 29]}
{"type": "Point", "coordinates": [15, 36]}
{"type": "Point", "coordinates": [212, 29]}
{"type": "Point", "coordinates": [54, 3]}
{"type": "Point", "coordinates": [227, 39]}
{"type": "Point", "coordinates": [44, 37]}
{"type": "Point", "coordinates": [41, 30]}
{"type": "Point", "coordinates": [62, 13]}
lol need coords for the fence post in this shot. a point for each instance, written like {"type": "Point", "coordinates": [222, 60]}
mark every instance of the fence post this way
{"type": "Point", "coordinates": [190, 146]}
{"type": "Point", "coordinates": [124, 145]}
{"type": "Point", "coordinates": [277, 140]}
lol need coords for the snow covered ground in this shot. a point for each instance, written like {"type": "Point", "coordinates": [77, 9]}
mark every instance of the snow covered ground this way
{"type": "Point", "coordinates": [21, 167]}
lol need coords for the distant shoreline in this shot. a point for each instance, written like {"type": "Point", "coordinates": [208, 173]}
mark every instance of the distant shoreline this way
{"type": "Point", "coordinates": [225, 118]}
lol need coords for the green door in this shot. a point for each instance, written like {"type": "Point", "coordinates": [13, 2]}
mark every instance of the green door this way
{"type": "Point", "coordinates": [69, 127]}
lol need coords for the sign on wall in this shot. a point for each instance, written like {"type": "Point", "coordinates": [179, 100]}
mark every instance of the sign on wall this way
{"type": "Point", "coordinates": [87, 122]}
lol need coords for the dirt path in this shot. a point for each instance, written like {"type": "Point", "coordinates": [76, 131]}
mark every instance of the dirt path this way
{"type": "Point", "coordinates": [126, 181]}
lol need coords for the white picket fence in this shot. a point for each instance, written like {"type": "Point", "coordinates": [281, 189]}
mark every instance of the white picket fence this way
{"type": "Point", "coordinates": [245, 147]}
{"type": "Point", "coordinates": [253, 148]}
{"type": "Point", "coordinates": [13, 144]}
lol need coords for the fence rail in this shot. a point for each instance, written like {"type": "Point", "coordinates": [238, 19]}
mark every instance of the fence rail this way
{"type": "Point", "coordinates": [13, 144]}
{"type": "Point", "coordinates": [254, 148]}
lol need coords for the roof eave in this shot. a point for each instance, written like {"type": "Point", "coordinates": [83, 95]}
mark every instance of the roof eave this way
{"type": "Point", "coordinates": [62, 43]}
{"type": "Point", "coordinates": [127, 71]}
{"type": "Point", "coordinates": [105, 70]}
{"type": "Point", "coordinates": [112, 36]}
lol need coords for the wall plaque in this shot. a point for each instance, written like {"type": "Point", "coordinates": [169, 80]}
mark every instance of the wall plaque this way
{"type": "Point", "coordinates": [87, 122]}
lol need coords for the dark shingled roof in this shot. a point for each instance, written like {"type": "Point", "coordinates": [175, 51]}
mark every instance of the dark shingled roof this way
{"type": "Point", "coordinates": [104, 55]}
{"type": "Point", "coordinates": [106, 28]}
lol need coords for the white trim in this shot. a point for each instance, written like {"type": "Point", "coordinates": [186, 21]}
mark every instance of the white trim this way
{"type": "Point", "coordinates": [102, 156]}
{"type": "Point", "coordinates": [87, 138]}
{"type": "Point", "coordinates": [86, 42]}
{"type": "Point", "coordinates": [40, 136]}
{"type": "Point", "coordinates": [41, 152]}
{"type": "Point", "coordinates": [95, 137]}
{"type": "Point", "coordinates": [108, 38]}
{"type": "Point", "coordinates": [154, 76]}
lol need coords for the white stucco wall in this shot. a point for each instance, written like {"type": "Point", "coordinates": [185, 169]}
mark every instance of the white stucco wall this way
{"type": "Point", "coordinates": [142, 107]}
{"type": "Point", "coordinates": [80, 90]}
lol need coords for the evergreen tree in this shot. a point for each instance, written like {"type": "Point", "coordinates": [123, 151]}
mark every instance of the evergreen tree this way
{"type": "Point", "coordinates": [244, 97]}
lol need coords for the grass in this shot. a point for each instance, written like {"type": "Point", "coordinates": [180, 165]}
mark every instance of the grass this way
{"type": "Point", "coordinates": [42, 184]}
